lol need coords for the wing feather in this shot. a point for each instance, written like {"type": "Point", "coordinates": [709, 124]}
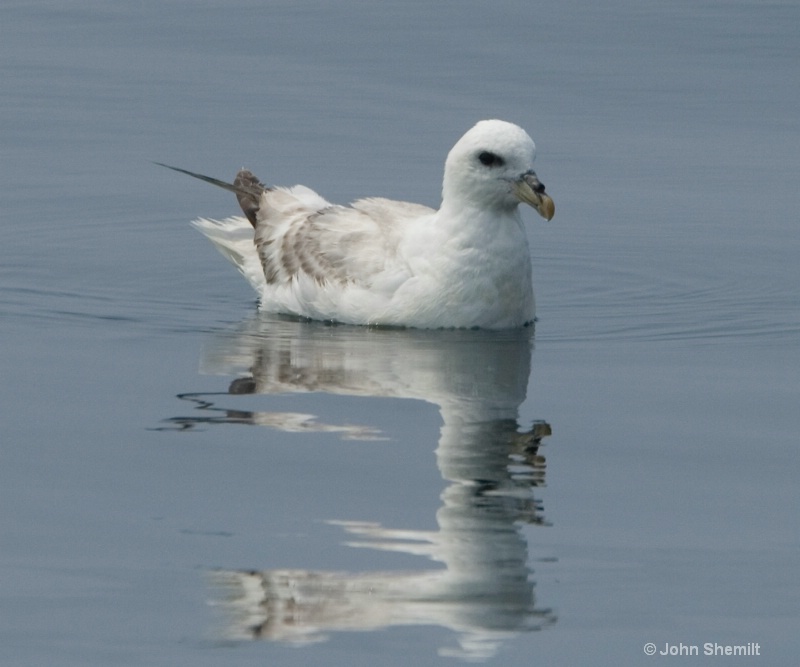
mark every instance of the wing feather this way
{"type": "Point", "coordinates": [331, 245]}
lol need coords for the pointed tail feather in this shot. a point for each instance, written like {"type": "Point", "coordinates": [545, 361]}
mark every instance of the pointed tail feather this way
{"type": "Point", "coordinates": [247, 188]}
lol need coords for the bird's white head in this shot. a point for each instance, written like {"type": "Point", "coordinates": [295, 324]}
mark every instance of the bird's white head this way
{"type": "Point", "coordinates": [491, 168]}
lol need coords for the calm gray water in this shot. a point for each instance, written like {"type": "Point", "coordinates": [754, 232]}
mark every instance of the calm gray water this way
{"type": "Point", "coordinates": [186, 482]}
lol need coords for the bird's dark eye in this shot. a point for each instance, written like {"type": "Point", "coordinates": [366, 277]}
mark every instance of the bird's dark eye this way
{"type": "Point", "coordinates": [491, 159]}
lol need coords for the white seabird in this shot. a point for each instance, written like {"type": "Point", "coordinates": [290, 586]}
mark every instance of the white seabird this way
{"type": "Point", "coordinates": [393, 263]}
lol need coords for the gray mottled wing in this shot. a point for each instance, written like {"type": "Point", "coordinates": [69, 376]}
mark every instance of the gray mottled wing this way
{"type": "Point", "coordinates": [337, 245]}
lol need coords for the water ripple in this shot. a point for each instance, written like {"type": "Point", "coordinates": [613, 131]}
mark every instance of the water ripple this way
{"type": "Point", "coordinates": [641, 303]}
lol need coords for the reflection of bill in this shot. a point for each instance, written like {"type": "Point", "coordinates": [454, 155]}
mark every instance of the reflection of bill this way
{"type": "Point", "coordinates": [482, 589]}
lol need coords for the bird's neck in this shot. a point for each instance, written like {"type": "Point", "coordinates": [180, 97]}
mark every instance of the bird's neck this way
{"type": "Point", "coordinates": [472, 224]}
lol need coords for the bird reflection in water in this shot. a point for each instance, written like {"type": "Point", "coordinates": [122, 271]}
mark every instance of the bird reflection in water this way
{"type": "Point", "coordinates": [482, 588]}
